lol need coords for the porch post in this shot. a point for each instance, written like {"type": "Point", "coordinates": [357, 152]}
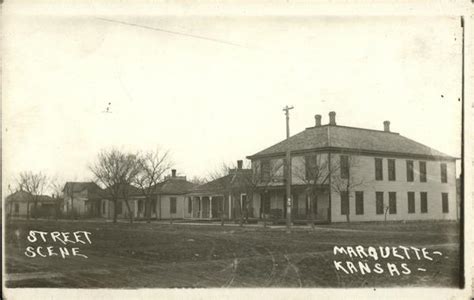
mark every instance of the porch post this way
{"type": "Point", "coordinates": [210, 207]}
{"type": "Point", "coordinates": [200, 207]}
{"type": "Point", "coordinates": [192, 207]}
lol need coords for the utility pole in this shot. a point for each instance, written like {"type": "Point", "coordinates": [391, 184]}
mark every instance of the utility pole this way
{"type": "Point", "coordinates": [288, 171]}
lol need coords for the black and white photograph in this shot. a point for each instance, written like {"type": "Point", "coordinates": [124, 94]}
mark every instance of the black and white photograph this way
{"type": "Point", "coordinates": [235, 150]}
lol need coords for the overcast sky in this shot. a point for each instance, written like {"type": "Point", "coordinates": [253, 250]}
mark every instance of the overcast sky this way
{"type": "Point", "coordinates": [215, 93]}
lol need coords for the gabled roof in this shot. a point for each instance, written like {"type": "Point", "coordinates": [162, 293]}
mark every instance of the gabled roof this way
{"type": "Point", "coordinates": [129, 189]}
{"type": "Point", "coordinates": [23, 196]}
{"type": "Point", "coordinates": [235, 179]}
{"type": "Point", "coordinates": [327, 137]}
{"type": "Point", "coordinates": [174, 186]}
{"type": "Point", "coordinates": [93, 189]}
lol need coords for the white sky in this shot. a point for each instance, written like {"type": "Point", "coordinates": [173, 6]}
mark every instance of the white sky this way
{"type": "Point", "coordinates": [210, 102]}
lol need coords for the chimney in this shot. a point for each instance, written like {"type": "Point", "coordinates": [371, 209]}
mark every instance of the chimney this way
{"type": "Point", "coordinates": [239, 164]}
{"type": "Point", "coordinates": [173, 173]}
{"type": "Point", "coordinates": [386, 126]}
{"type": "Point", "coordinates": [332, 118]}
{"type": "Point", "coordinates": [317, 119]}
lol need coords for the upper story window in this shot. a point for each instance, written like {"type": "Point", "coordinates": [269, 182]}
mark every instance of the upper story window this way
{"type": "Point", "coordinates": [265, 169]}
{"type": "Point", "coordinates": [344, 164]}
{"type": "Point", "coordinates": [444, 173]}
{"type": "Point", "coordinates": [423, 171]}
{"type": "Point", "coordinates": [410, 172]}
{"type": "Point", "coordinates": [310, 166]}
{"type": "Point", "coordinates": [391, 170]}
{"type": "Point", "coordinates": [378, 169]}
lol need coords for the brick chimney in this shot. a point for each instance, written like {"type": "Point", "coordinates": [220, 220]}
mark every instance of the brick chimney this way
{"type": "Point", "coordinates": [173, 173]}
{"type": "Point", "coordinates": [317, 119]}
{"type": "Point", "coordinates": [239, 164]}
{"type": "Point", "coordinates": [386, 126]}
{"type": "Point", "coordinates": [332, 118]}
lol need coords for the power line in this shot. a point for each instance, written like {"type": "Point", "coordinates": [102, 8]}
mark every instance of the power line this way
{"type": "Point", "coordinates": [171, 32]}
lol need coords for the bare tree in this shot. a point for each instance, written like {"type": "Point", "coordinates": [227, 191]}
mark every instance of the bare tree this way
{"type": "Point", "coordinates": [56, 186]}
{"type": "Point", "coordinates": [116, 171]}
{"type": "Point", "coordinates": [198, 180]}
{"type": "Point", "coordinates": [34, 184]}
{"type": "Point", "coordinates": [346, 181]}
{"type": "Point", "coordinates": [313, 172]}
{"type": "Point", "coordinates": [151, 167]}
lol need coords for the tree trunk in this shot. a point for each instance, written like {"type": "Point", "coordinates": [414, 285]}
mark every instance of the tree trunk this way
{"type": "Point", "coordinates": [241, 219]}
{"type": "Point", "coordinates": [148, 209]}
{"type": "Point", "coordinates": [264, 213]}
{"type": "Point", "coordinates": [221, 213]}
{"type": "Point", "coordinates": [115, 210]}
{"type": "Point", "coordinates": [28, 209]}
{"type": "Point", "coordinates": [35, 215]}
{"type": "Point", "coordinates": [311, 212]}
{"type": "Point", "coordinates": [130, 214]}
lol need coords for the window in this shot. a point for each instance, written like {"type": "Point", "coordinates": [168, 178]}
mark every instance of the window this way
{"type": "Point", "coordinates": [392, 203]}
{"type": "Point", "coordinates": [423, 171]}
{"type": "Point", "coordinates": [310, 166]}
{"type": "Point", "coordinates": [344, 163]}
{"type": "Point", "coordinates": [444, 197]}
{"type": "Point", "coordinates": [378, 169]}
{"type": "Point", "coordinates": [444, 173]}
{"type": "Point", "coordinates": [190, 205]}
{"type": "Point", "coordinates": [379, 203]}
{"type": "Point", "coordinates": [265, 170]}
{"type": "Point", "coordinates": [153, 205]}
{"type": "Point", "coordinates": [424, 202]}
{"type": "Point", "coordinates": [119, 207]}
{"type": "Point", "coordinates": [410, 174]}
{"type": "Point", "coordinates": [344, 203]}
{"type": "Point", "coordinates": [411, 202]}
{"type": "Point", "coordinates": [140, 206]}
{"type": "Point", "coordinates": [243, 200]}
{"type": "Point", "coordinates": [266, 203]}
{"type": "Point", "coordinates": [17, 207]}
{"type": "Point", "coordinates": [103, 206]}
{"type": "Point", "coordinates": [172, 205]}
{"type": "Point", "coordinates": [359, 203]}
{"type": "Point", "coordinates": [391, 170]}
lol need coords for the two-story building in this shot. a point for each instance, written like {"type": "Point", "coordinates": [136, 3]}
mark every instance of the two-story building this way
{"type": "Point", "coordinates": [341, 173]}
{"type": "Point", "coordinates": [82, 199]}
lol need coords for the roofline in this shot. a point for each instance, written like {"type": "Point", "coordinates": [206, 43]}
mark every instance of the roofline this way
{"type": "Point", "coordinates": [351, 127]}
{"type": "Point", "coordinates": [358, 151]}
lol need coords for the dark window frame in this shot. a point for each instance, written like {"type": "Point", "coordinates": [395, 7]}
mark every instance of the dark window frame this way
{"type": "Point", "coordinates": [423, 202]}
{"type": "Point", "coordinates": [422, 166]}
{"type": "Point", "coordinates": [190, 205]}
{"type": "Point", "coordinates": [445, 202]}
{"type": "Point", "coordinates": [359, 199]}
{"type": "Point", "coordinates": [392, 203]}
{"type": "Point", "coordinates": [345, 206]}
{"type": "Point", "coordinates": [119, 208]}
{"type": "Point", "coordinates": [173, 205]}
{"type": "Point", "coordinates": [344, 166]}
{"type": "Point", "coordinates": [310, 163]}
{"type": "Point", "coordinates": [378, 169]}
{"type": "Point", "coordinates": [379, 203]}
{"type": "Point", "coordinates": [411, 202]}
{"type": "Point", "coordinates": [410, 171]}
{"type": "Point", "coordinates": [444, 172]}
{"type": "Point", "coordinates": [392, 173]}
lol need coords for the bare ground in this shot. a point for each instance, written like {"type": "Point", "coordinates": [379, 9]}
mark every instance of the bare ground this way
{"type": "Point", "coordinates": [159, 255]}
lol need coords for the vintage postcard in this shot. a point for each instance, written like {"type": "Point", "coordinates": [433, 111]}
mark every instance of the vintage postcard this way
{"type": "Point", "coordinates": [232, 149]}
